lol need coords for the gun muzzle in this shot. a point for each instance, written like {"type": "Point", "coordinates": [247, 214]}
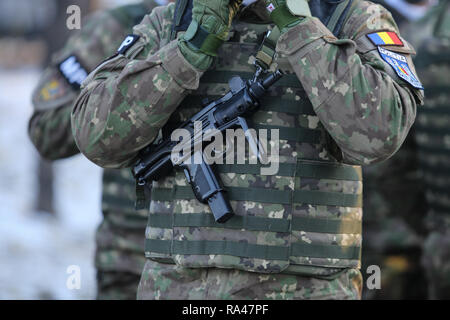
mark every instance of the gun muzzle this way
{"type": "Point", "coordinates": [271, 79]}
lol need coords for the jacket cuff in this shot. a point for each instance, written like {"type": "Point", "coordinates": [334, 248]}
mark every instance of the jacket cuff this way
{"type": "Point", "coordinates": [178, 67]}
{"type": "Point", "coordinates": [300, 36]}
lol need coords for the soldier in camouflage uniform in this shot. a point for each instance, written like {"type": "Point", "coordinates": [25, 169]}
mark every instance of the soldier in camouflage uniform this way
{"type": "Point", "coordinates": [433, 140]}
{"type": "Point", "coordinates": [340, 104]}
{"type": "Point", "coordinates": [119, 255]}
{"type": "Point", "coordinates": [393, 225]}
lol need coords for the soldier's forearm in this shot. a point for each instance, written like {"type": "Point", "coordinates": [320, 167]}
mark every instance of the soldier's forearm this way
{"type": "Point", "coordinates": [134, 98]}
{"type": "Point", "coordinates": [51, 133]}
{"type": "Point", "coordinates": [366, 112]}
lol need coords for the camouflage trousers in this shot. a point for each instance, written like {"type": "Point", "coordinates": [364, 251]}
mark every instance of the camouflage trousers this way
{"type": "Point", "coordinates": [119, 260]}
{"type": "Point", "coordinates": [167, 281]}
{"type": "Point", "coordinates": [436, 261]}
{"type": "Point", "coordinates": [117, 285]}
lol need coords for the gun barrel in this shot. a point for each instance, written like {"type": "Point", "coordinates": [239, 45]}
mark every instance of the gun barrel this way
{"type": "Point", "coordinates": [271, 79]}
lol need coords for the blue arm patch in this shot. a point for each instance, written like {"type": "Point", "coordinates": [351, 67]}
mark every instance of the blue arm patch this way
{"type": "Point", "coordinates": [400, 65]}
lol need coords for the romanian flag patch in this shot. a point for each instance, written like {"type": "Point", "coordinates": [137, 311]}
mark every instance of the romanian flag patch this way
{"type": "Point", "coordinates": [385, 38]}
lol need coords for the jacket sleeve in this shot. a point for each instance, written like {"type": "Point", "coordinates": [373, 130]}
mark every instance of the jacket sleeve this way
{"type": "Point", "coordinates": [50, 125]}
{"type": "Point", "coordinates": [51, 133]}
{"type": "Point", "coordinates": [363, 105]}
{"type": "Point", "coordinates": [129, 98]}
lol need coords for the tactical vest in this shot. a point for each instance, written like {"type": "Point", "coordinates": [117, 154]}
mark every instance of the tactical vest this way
{"type": "Point", "coordinates": [432, 125]}
{"type": "Point", "coordinates": [308, 215]}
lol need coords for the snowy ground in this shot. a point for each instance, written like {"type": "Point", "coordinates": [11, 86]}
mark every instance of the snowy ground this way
{"type": "Point", "coordinates": [35, 250]}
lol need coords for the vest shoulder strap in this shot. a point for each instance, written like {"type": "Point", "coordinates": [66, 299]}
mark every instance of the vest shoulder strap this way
{"type": "Point", "coordinates": [182, 17]}
{"type": "Point", "coordinates": [337, 19]}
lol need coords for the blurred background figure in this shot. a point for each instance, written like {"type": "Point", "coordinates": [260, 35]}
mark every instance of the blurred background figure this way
{"type": "Point", "coordinates": [394, 200]}
{"type": "Point", "coordinates": [405, 12]}
{"type": "Point", "coordinates": [48, 214]}
{"type": "Point", "coordinates": [119, 257]}
{"type": "Point", "coordinates": [433, 140]}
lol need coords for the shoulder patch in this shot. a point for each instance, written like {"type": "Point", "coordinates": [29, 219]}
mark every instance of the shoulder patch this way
{"type": "Point", "coordinates": [127, 43]}
{"type": "Point", "coordinates": [385, 38]}
{"type": "Point", "coordinates": [400, 65]}
{"type": "Point", "coordinates": [73, 71]}
{"type": "Point", "coordinates": [52, 90]}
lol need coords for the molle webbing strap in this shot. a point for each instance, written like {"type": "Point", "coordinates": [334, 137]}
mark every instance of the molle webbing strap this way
{"type": "Point", "coordinates": [426, 58]}
{"type": "Point", "coordinates": [166, 221]}
{"type": "Point", "coordinates": [302, 169]}
{"type": "Point", "coordinates": [312, 197]}
{"type": "Point", "coordinates": [433, 150]}
{"type": "Point", "coordinates": [432, 131]}
{"type": "Point", "coordinates": [127, 221]}
{"type": "Point", "coordinates": [246, 250]}
{"type": "Point", "coordinates": [252, 223]}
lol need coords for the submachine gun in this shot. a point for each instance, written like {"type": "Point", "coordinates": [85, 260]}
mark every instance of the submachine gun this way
{"type": "Point", "coordinates": [157, 161]}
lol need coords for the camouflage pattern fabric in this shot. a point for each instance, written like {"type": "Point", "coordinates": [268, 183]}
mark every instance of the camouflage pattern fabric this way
{"type": "Point", "coordinates": [165, 281]}
{"type": "Point", "coordinates": [128, 99]}
{"type": "Point", "coordinates": [433, 140]}
{"type": "Point", "coordinates": [119, 256]}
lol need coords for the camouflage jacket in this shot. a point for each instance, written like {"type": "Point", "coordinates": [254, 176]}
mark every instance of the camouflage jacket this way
{"type": "Point", "coordinates": [51, 133]}
{"type": "Point", "coordinates": [364, 106]}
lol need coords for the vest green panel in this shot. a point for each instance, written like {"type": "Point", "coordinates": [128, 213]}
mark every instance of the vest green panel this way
{"type": "Point", "coordinates": [433, 130]}
{"type": "Point", "coordinates": [118, 200]}
{"type": "Point", "coordinates": [309, 214]}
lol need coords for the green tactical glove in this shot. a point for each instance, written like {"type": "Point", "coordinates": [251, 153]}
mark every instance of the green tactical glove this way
{"type": "Point", "coordinates": [211, 22]}
{"type": "Point", "coordinates": [287, 13]}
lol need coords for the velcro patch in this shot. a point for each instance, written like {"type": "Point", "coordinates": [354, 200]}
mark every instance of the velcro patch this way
{"type": "Point", "coordinates": [400, 64]}
{"type": "Point", "coordinates": [270, 7]}
{"type": "Point", "coordinates": [52, 90]}
{"type": "Point", "coordinates": [127, 43]}
{"type": "Point", "coordinates": [73, 71]}
{"type": "Point", "coordinates": [385, 38]}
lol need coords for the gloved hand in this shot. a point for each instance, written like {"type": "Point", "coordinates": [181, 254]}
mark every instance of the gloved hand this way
{"type": "Point", "coordinates": [211, 22]}
{"type": "Point", "coordinates": [215, 16]}
{"type": "Point", "coordinates": [287, 13]}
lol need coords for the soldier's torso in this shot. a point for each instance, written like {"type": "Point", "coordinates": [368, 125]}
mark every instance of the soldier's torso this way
{"type": "Point", "coordinates": [304, 219]}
